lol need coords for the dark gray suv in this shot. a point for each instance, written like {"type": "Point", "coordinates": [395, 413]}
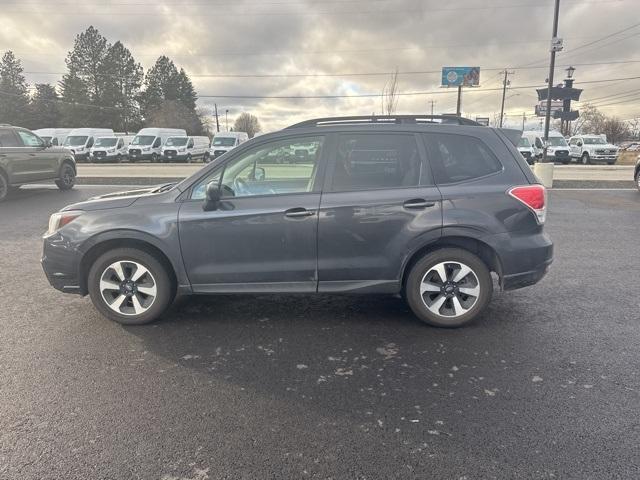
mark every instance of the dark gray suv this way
{"type": "Point", "coordinates": [426, 207]}
{"type": "Point", "coordinates": [27, 158]}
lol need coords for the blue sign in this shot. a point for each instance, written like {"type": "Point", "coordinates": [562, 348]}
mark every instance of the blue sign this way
{"type": "Point", "coordinates": [460, 76]}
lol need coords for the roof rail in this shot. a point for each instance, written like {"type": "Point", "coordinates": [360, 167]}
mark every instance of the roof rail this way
{"type": "Point", "coordinates": [386, 120]}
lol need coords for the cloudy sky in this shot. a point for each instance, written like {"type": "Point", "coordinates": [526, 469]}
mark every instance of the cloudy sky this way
{"type": "Point", "coordinates": [297, 48]}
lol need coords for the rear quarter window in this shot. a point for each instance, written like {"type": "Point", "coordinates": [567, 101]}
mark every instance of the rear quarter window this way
{"type": "Point", "coordinates": [459, 158]}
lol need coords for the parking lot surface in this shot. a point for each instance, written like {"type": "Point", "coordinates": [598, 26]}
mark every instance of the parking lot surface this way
{"type": "Point", "coordinates": [545, 385]}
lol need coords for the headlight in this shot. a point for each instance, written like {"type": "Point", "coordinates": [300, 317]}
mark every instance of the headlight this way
{"type": "Point", "coordinates": [60, 219]}
{"type": "Point", "coordinates": [183, 149]}
{"type": "Point", "coordinates": [112, 150]}
{"type": "Point", "coordinates": [146, 149]}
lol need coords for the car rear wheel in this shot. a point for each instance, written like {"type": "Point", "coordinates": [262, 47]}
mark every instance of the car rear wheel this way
{"type": "Point", "coordinates": [130, 286]}
{"type": "Point", "coordinates": [205, 157]}
{"type": "Point", "coordinates": [585, 159]}
{"type": "Point", "coordinates": [638, 181]}
{"type": "Point", "coordinates": [448, 288]}
{"type": "Point", "coordinates": [154, 158]}
{"type": "Point", "coordinates": [67, 178]}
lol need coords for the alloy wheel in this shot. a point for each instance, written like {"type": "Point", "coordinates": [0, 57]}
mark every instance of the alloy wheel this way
{"type": "Point", "coordinates": [128, 288]}
{"type": "Point", "coordinates": [450, 289]}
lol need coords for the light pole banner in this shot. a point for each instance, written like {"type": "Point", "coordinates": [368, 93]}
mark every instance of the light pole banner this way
{"type": "Point", "coordinates": [460, 76]}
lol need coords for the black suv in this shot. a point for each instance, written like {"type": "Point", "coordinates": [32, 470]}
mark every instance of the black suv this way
{"type": "Point", "coordinates": [26, 158]}
{"type": "Point", "coordinates": [426, 207]}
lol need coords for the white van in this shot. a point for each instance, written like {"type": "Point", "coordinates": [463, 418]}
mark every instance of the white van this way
{"type": "Point", "coordinates": [186, 149]}
{"type": "Point", "coordinates": [225, 141]}
{"type": "Point", "coordinates": [110, 149]}
{"type": "Point", "coordinates": [526, 150]}
{"type": "Point", "coordinates": [147, 144]}
{"type": "Point", "coordinates": [55, 136]}
{"type": "Point", "coordinates": [558, 149]}
{"type": "Point", "coordinates": [80, 140]}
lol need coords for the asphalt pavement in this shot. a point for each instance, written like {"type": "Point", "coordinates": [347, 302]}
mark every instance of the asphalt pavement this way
{"type": "Point", "coordinates": [545, 385]}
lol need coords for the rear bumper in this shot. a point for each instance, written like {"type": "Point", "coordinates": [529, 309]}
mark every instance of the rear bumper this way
{"type": "Point", "coordinates": [525, 257]}
{"type": "Point", "coordinates": [60, 264]}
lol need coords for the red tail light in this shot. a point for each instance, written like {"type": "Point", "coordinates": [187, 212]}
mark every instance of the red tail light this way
{"type": "Point", "coordinates": [534, 197]}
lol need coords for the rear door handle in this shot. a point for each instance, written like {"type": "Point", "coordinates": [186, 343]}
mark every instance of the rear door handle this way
{"type": "Point", "coordinates": [298, 212]}
{"type": "Point", "coordinates": [418, 203]}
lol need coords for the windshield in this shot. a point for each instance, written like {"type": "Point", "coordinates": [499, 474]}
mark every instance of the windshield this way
{"type": "Point", "coordinates": [557, 142]}
{"type": "Point", "coordinates": [106, 142]}
{"type": "Point", "coordinates": [75, 141]}
{"type": "Point", "coordinates": [594, 141]}
{"type": "Point", "coordinates": [176, 142]}
{"type": "Point", "coordinates": [224, 141]}
{"type": "Point", "coordinates": [143, 140]}
{"type": "Point", "coordinates": [524, 142]}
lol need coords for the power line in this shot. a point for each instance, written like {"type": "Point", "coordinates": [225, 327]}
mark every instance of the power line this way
{"type": "Point", "coordinates": [348, 74]}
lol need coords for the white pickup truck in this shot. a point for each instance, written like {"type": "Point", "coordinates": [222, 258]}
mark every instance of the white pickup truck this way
{"type": "Point", "coordinates": [592, 148]}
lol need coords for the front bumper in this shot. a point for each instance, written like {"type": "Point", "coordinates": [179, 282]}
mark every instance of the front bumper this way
{"type": "Point", "coordinates": [180, 157]}
{"type": "Point", "coordinates": [140, 156]}
{"type": "Point", "coordinates": [60, 262]}
{"type": "Point", "coordinates": [525, 257]}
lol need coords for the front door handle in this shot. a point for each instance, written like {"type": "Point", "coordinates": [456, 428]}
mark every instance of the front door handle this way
{"type": "Point", "coordinates": [418, 203]}
{"type": "Point", "coordinates": [298, 212]}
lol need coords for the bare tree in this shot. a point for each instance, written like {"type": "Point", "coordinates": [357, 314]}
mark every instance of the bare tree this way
{"type": "Point", "coordinates": [590, 121]}
{"type": "Point", "coordinates": [390, 95]}
{"type": "Point", "coordinates": [247, 123]}
{"type": "Point", "coordinates": [615, 129]}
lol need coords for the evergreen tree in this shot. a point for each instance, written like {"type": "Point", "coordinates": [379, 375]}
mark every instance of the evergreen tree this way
{"type": "Point", "coordinates": [14, 99]}
{"type": "Point", "coordinates": [76, 109]}
{"type": "Point", "coordinates": [44, 109]}
{"type": "Point", "coordinates": [123, 87]}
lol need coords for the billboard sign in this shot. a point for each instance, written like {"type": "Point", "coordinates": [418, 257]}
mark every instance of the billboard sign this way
{"type": "Point", "coordinates": [460, 76]}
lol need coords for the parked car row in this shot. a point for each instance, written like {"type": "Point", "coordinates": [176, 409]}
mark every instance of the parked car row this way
{"type": "Point", "coordinates": [584, 149]}
{"type": "Point", "coordinates": [150, 144]}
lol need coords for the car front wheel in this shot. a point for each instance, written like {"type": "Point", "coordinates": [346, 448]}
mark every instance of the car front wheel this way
{"type": "Point", "coordinates": [448, 288]}
{"type": "Point", "coordinates": [585, 159]}
{"type": "Point", "coordinates": [67, 178]}
{"type": "Point", "coordinates": [638, 181]}
{"type": "Point", "coordinates": [130, 286]}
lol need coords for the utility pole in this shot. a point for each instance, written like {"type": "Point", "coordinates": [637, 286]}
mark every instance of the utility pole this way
{"type": "Point", "coordinates": [215, 106]}
{"type": "Point", "coordinates": [459, 106]}
{"type": "Point", "coordinates": [552, 65]}
{"type": "Point", "coordinates": [524, 119]}
{"type": "Point", "coordinates": [505, 83]}
{"type": "Point", "coordinates": [433, 102]}
{"type": "Point", "coordinates": [226, 115]}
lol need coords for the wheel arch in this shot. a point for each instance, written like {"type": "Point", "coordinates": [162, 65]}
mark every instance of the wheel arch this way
{"type": "Point", "coordinates": [483, 250]}
{"type": "Point", "coordinates": [100, 246]}
{"type": "Point", "coordinates": [68, 161]}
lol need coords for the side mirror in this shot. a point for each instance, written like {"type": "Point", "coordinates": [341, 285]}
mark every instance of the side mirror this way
{"type": "Point", "coordinates": [47, 143]}
{"type": "Point", "coordinates": [579, 144]}
{"type": "Point", "coordinates": [213, 194]}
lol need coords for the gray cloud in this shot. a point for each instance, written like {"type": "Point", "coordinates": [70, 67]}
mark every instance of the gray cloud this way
{"type": "Point", "coordinates": [330, 37]}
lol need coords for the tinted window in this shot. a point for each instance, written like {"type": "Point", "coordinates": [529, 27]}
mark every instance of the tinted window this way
{"type": "Point", "coordinates": [270, 169]}
{"type": "Point", "coordinates": [456, 158]}
{"type": "Point", "coordinates": [29, 139]}
{"type": "Point", "coordinates": [8, 139]}
{"type": "Point", "coordinates": [366, 162]}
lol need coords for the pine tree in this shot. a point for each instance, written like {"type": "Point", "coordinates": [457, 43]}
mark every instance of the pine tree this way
{"type": "Point", "coordinates": [123, 87]}
{"type": "Point", "coordinates": [44, 109]}
{"type": "Point", "coordinates": [76, 109]}
{"type": "Point", "coordinates": [14, 99]}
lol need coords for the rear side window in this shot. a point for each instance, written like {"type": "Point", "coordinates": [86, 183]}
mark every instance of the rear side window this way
{"type": "Point", "coordinates": [458, 158]}
{"type": "Point", "coordinates": [8, 139]}
{"type": "Point", "coordinates": [366, 162]}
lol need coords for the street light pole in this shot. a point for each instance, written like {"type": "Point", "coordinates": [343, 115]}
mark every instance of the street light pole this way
{"type": "Point", "coordinates": [552, 65]}
{"type": "Point", "coordinates": [226, 115]}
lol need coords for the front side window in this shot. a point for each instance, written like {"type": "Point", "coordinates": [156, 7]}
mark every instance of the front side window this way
{"type": "Point", "coordinates": [269, 169]}
{"type": "Point", "coordinates": [366, 162]}
{"type": "Point", "coordinates": [29, 139]}
{"type": "Point", "coordinates": [457, 158]}
{"type": "Point", "coordinates": [190, 145]}
{"type": "Point", "coordinates": [8, 139]}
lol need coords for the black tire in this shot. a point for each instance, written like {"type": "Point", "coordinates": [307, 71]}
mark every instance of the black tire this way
{"type": "Point", "coordinates": [4, 186]}
{"type": "Point", "coordinates": [425, 265]}
{"type": "Point", "coordinates": [205, 157]}
{"type": "Point", "coordinates": [154, 158]}
{"type": "Point", "coordinates": [585, 159]}
{"type": "Point", "coordinates": [638, 180]}
{"type": "Point", "coordinates": [189, 158]}
{"type": "Point", "coordinates": [163, 298]}
{"type": "Point", "coordinates": [118, 158]}
{"type": "Point", "coordinates": [67, 178]}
